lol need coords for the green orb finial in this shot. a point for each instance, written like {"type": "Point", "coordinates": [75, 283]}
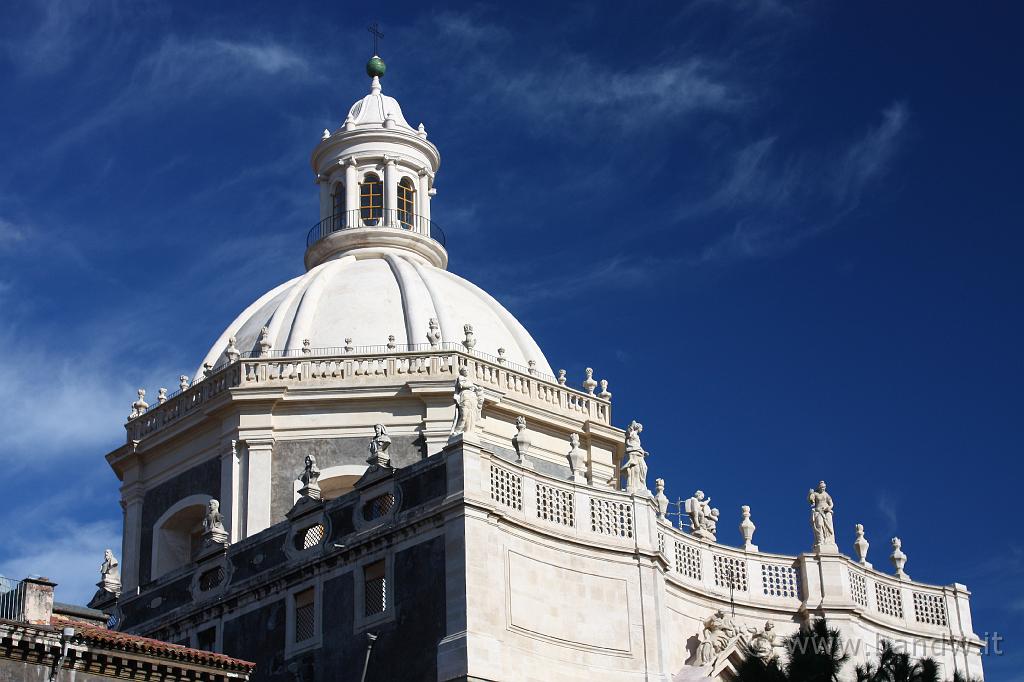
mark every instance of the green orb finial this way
{"type": "Point", "coordinates": [375, 67]}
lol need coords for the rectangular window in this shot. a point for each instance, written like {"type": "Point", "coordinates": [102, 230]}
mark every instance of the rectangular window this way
{"type": "Point", "coordinates": [305, 615]}
{"type": "Point", "coordinates": [375, 588]}
{"type": "Point", "coordinates": [207, 639]}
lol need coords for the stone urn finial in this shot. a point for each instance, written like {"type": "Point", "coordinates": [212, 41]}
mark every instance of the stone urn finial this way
{"type": "Point", "coordinates": [140, 406]}
{"type": "Point", "coordinates": [860, 545]}
{"type": "Point", "coordinates": [589, 384]}
{"type": "Point", "coordinates": [898, 559]}
{"type": "Point", "coordinates": [433, 333]}
{"type": "Point", "coordinates": [470, 341]}
{"type": "Point", "coordinates": [183, 382]}
{"type": "Point", "coordinates": [577, 459]}
{"type": "Point", "coordinates": [521, 442]}
{"type": "Point", "coordinates": [161, 395]}
{"type": "Point", "coordinates": [660, 499]}
{"type": "Point", "coordinates": [561, 377]}
{"type": "Point", "coordinates": [747, 529]}
{"type": "Point", "coordinates": [265, 342]}
{"type": "Point", "coordinates": [231, 352]}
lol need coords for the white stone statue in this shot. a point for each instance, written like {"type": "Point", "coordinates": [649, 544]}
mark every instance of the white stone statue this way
{"type": "Point", "coordinates": [183, 382]}
{"type": "Point", "coordinates": [207, 370]}
{"type": "Point", "coordinates": [635, 464]}
{"type": "Point", "coordinates": [470, 341]}
{"type": "Point", "coordinates": [821, 519]}
{"type": "Point", "coordinates": [391, 342]}
{"type": "Point", "coordinates": [747, 529]}
{"type": "Point", "coordinates": [702, 518]}
{"type": "Point", "coordinates": [860, 545]}
{"type": "Point", "coordinates": [588, 383]}
{"type": "Point", "coordinates": [605, 393]}
{"type": "Point", "coordinates": [213, 524]}
{"type": "Point", "coordinates": [310, 478]}
{"type": "Point", "coordinates": [469, 403]}
{"type": "Point", "coordinates": [531, 367]}
{"type": "Point", "coordinates": [348, 344]}
{"type": "Point", "coordinates": [379, 445]}
{"type": "Point", "coordinates": [561, 377]}
{"type": "Point", "coordinates": [521, 442]}
{"type": "Point", "coordinates": [719, 632]}
{"type": "Point", "coordinates": [577, 459]}
{"type": "Point", "coordinates": [660, 499]}
{"type": "Point", "coordinates": [265, 342]}
{"type": "Point", "coordinates": [898, 559]}
{"type": "Point", "coordinates": [140, 406]}
{"type": "Point", "coordinates": [761, 642]}
{"type": "Point", "coordinates": [161, 395]}
{"type": "Point", "coordinates": [307, 347]}
{"type": "Point", "coordinates": [501, 356]}
{"type": "Point", "coordinates": [110, 573]}
{"type": "Point", "coordinates": [434, 333]}
{"type": "Point", "coordinates": [231, 352]}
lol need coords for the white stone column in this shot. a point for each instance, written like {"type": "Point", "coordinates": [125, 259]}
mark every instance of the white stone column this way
{"type": "Point", "coordinates": [423, 201]}
{"type": "Point", "coordinates": [351, 186]}
{"type": "Point", "coordinates": [259, 458]}
{"type": "Point", "coordinates": [390, 191]}
{"type": "Point", "coordinates": [230, 499]}
{"type": "Point", "coordinates": [131, 539]}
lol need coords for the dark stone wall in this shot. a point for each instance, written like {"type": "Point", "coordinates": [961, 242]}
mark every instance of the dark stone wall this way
{"type": "Point", "coordinates": [258, 636]}
{"type": "Point", "coordinates": [202, 479]}
{"type": "Point", "coordinates": [423, 485]}
{"type": "Point", "coordinates": [251, 560]}
{"type": "Point", "coordinates": [290, 458]}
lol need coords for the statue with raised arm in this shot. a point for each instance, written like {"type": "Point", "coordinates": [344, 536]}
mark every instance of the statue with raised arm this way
{"type": "Point", "coordinates": [110, 573]}
{"type": "Point", "coordinates": [635, 464]}
{"type": "Point", "coordinates": [821, 518]}
{"type": "Point", "coordinates": [761, 642]}
{"type": "Point", "coordinates": [379, 445]}
{"type": "Point", "coordinates": [703, 519]}
{"type": "Point", "coordinates": [468, 404]}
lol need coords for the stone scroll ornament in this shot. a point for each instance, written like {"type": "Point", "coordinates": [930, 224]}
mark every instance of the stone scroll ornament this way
{"type": "Point", "coordinates": [635, 460]}
{"type": "Point", "coordinates": [469, 405]}
{"type": "Point", "coordinates": [821, 519]}
{"type": "Point", "coordinates": [379, 445]}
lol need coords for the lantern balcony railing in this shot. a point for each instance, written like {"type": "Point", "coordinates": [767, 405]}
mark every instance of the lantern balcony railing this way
{"type": "Point", "coordinates": [388, 219]}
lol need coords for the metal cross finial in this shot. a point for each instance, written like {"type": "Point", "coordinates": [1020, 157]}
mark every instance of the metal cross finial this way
{"type": "Point", "coordinates": [377, 33]}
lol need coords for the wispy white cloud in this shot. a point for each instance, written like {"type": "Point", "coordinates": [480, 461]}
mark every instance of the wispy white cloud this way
{"type": "Point", "coordinates": [11, 233]}
{"type": "Point", "coordinates": [888, 508]}
{"type": "Point", "coordinates": [870, 156]}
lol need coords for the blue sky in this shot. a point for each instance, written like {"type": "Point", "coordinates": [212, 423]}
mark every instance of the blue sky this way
{"type": "Point", "coordinates": [788, 235]}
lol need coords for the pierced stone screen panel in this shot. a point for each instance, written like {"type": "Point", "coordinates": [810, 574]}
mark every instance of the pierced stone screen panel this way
{"type": "Point", "coordinates": [930, 609]}
{"type": "Point", "coordinates": [888, 599]}
{"type": "Point", "coordinates": [375, 589]}
{"type": "Point", "coordinates": [688, 561]}
{"type": "Point", "coordinates": [556, 505]}
{"type": "Point", "coordinates": [211, 579]}
{"type": "Point", "coordinates": [313, 536]}
{"type": "Point", "coordinates": [609, 517]}
{"type": "Point", "coordinates": [378, 507]}
{"type": "Point", "coordinates": [780, 581]}
{"type": "Point", "coordinates": [730, 572]}
{"type": "Point", "coordinates": [859, 588]}
{"type": "Point", "coordinates": [506, 488]}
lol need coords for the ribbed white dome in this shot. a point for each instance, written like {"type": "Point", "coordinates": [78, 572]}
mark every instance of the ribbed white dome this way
{"type": "Point", "coordinates": [369, 299]}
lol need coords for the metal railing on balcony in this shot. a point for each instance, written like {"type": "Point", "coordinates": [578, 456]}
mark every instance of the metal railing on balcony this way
{"type": "Point", "coordinates": [12, 599]}
{"type": "Point", "coordinates": [375, 218]}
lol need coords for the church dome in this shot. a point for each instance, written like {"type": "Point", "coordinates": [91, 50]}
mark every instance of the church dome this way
{"type": "Point", "coordinates": [367, 300]}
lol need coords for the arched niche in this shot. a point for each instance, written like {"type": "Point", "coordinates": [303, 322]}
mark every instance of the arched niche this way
{"type": "Point", "coordinates": [177, 534]}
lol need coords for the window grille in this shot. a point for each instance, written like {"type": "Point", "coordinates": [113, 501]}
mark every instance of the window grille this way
{"type": "Point", "coordinates": [888, 599]}
{"type": "Point", "coordinates": [406, 203]}
{"type": "Point", "coordinates": [930, 609]}
{"type": "Point", "coordinates": [378, 506]}
{"type": "Point", "coordinates": [313, 536]}
{"type": "Point", "coordinates": [371, 200]}
{"type": "Point", "coordinates": [211, 579]}
{"type": "Point", "coordinates": [859, 588]}
{"type": "Point", "coordinates": [780, 581]}
{"type": "Point", "coordinates": [609, 517]}
{"type": "Point", "coordinates": [556, 505]}
{"type": "Point", "coordinates": [506, 487]}
{"type": "Point", "coordinates": [688, 561]}
{"type": "Point", "coordinates": [305, 615]}
{"type": "Point", "coordinates": [730, 572]}
{"type": "Point", "coordinates": [374, 589]}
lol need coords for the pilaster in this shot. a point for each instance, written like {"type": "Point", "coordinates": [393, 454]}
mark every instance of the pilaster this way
{"type": "Point", "coordinates": [132, 494]}
{"type": "Point", "coordinates": [259, 457]}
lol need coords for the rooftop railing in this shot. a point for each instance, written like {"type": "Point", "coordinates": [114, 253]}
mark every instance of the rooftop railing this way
{"type": "Point", "coordinates": [12, 599]}
{"type": "Point", "coordinates": [386, 219]}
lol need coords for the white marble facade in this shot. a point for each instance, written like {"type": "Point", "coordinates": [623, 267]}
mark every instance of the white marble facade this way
{"type": "Point", "coordinates": [566, 571]}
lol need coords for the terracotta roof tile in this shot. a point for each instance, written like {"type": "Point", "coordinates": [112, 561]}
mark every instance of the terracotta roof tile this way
{"type": "Point", "coordinates": [102, 637]}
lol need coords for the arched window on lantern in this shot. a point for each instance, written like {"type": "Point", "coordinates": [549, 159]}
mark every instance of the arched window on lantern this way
{"type": "Point", "coordinates": [338, 207]}
{"type": "Point", "coordinates": [406, 203]}
{"type": "Point", "coordinates": [371, 199]}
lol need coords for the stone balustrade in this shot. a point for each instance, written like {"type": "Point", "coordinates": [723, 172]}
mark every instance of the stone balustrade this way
{"type": "Point", "coordinates": [377, 366]}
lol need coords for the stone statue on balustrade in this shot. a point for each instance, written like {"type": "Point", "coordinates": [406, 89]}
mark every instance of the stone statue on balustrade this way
{"type": "Point", "coordinates": [821, 519]}
{"type": "Point", "coordinates": [635, 464]}
{"type": "Point", "coordinates": [718, 632]}
{"type": "Point", "coordinates": [214, 531]}
{"type": "Point", "coordinates": [433, 333]}
{"type": "Point", "coordinates": [310, 478]}
{"type": "Point", "coordinates": [703, 519]}
{"type": "Point", "coordinates": [110, 574]}
{"type": "Point", "coordinates": [379, 445]}
{"type": "Point", "coordinates": [469, 405]}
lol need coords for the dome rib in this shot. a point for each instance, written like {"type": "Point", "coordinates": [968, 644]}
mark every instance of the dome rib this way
{"type": "Point", "coordinates": [305, 314]}
{"type": "Point", "coordinates": [416, 298]}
